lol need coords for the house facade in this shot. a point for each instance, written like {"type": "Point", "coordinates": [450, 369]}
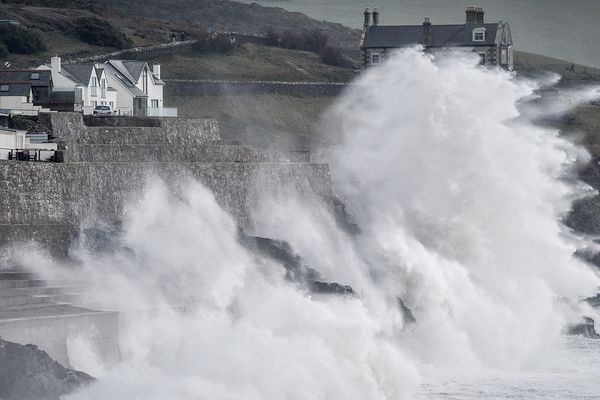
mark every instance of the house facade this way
{"type": "Point", "coordinates": [492, 41]}
{"type": "Point", "coordinates": [17, 97]}
{"type": "Point", "coordinates": [87, 82]}
{"type": "Point", "coordinates": [128, 87]}
{"type": "Point", "coordinates": [139, 88]}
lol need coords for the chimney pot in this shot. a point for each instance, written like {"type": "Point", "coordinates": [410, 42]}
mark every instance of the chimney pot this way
{"type": "Point", "coordinates": [471, 14]}
{"type": "Point", "coordinates": [427, 31]}
{"type": "Point", "coordinates": [375, 17]}
{"type": "Point", "coordinates": [367, 22]}
{"type": "Point", "coordinates": [55, 64]}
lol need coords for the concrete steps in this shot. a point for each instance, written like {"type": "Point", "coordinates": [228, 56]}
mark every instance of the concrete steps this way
{"type": "Point", "coordinates": [18, 289]}
{"type": "Point", "coordinates": [45, 313]}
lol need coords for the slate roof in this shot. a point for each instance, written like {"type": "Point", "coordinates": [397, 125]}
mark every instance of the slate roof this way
{"type": "Point", "coordinates": [45, 77]}
{"type": "Point", "coordinates": [135, 68]}
{"type": "Point", "coordinates": [16, 89]}
{"type": "Point", "coordinates": [382, 36]}
{"type": "Point", "coordinates": [79, 73]}
{"type": "Point", "coordinates": [123, 77]}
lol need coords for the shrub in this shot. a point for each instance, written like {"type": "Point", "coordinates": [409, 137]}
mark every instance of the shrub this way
{"type": "Point", "coordinates": [16, 39]}
{"type": "Point", "coordinates": [272, 38]}
{"type": "Point", "coordinates": [214, 43]}
{"type": "Point", "coordinates": [99, 32]}
{"type": "Point", "coordinates": [314, 40]}
{"type": "Point", "coordinates": [333, 56]}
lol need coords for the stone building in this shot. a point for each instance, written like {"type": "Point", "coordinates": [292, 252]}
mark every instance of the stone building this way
{"type": "Point", "coordinates": [492, 41]}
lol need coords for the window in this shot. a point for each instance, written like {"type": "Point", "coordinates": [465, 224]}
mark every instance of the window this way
{"type": "Point", "coordinates": [154, 103]}
{"type": "Point", "coordinates": [145, 81]}
{"type": "Point", "coordinates": [94, 82]}
{"type": "Point", "coordinates": [479, 34]}
{"type": "Point", "coordinates": [35, 76]}
{"type": "Point", "coordinates": [112, 104]}
{"type": "Point", "coordinates": [504, 56]}
{"type": "Point", "coordinates": [375, 58]}
{"type": "Point", "coordinates": [482, 59]}
{"type": "Point", "coordinates": [4, 88]}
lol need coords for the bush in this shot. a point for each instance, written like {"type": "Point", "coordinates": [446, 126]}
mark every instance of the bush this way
{"type": "Point", "coordinates": [16, 39]}
{"type": "Point", "coordinates": [99, 32]}
{"type": "Point", "coordinates": [314, 40]}
{"type": "Point", "coordinates": [214, 43]}
{"type": "Point", "coordinates": [333, 56]}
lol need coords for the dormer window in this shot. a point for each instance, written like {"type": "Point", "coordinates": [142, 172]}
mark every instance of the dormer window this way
{"type": "Point", "coordinates": [35, 76]}
{"type": "Point", "coordinates": [4, 88]}
{"type": "Point", "coordinates": [479, 34]}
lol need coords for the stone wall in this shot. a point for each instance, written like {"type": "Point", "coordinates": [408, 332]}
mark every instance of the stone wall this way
{"type": "Point", "coordinates": [108, 167]}
{"type": "Point", "coordinates": [177, 87]}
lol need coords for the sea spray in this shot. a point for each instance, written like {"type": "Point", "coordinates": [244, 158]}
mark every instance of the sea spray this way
{"type": "Point", "coordinates": [458, 197]}
{"type": "Point", "coordinates": [457, 189]}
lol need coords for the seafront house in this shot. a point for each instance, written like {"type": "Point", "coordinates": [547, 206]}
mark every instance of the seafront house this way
{"type": "Point", "coordinates": [17, 98]}
{"type": "Point", "coordinates": [87, 83]}
{"type": "Point", "coordinates": [127, 87]}
{"type": "Point", "coordinates": [492, 41]}
{"type": "Point", "coordinates": [138, 87]}
{"type": "Point", "coordinates": [24, 92]}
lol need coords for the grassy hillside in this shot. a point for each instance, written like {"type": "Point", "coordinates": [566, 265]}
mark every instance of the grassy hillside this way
{"type": "Point", "coordinates": [146, 22]}
{"type": "Point", "coordinates": [269, 121]}
{"type": "Point", "coordinates": [252, 62]}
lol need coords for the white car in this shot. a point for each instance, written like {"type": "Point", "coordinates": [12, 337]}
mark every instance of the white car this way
{"type": "Point", "coordinates": [103, 110]}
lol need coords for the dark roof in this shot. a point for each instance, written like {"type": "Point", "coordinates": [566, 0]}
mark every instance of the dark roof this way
{"type": "Point", "coordinates": [115, 70]}
{"type": "Point", "coordinates": [99, 73]}
{"type": "Point", "coordinates": [381, 36]}
{"type": "Point", "coordinates": [80, 72]}
{"type": "Point", "coordinates": [135, 68]}
{"type": "Point", "coordinates": [45, 77]}
{"type": "Point", "coordinates": [15, 89]}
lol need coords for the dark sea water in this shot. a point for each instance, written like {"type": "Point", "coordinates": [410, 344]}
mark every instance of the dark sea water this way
{"type": "Point", "coordinates": [565, 29]}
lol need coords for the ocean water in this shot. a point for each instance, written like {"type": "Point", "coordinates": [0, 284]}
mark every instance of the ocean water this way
{"type": "Point", "coordinates": [459, 196]}
{"type": "Point", "coordinates": [564, 29]}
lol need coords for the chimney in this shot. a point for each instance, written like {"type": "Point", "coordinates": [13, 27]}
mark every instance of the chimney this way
{"type": "Point", "coordinates": [427, 31]}
{"type": "Point", "coordinates": [479, 15]}
{"type": "Point", "coordinates": [156, 70]}
{"type": "Point", "coordinates": [375, 17]}
{"type": "Point", "coordinates": [367, 23]}
{"type": "Point", "coordinates": [471, 15]}
{"type": "Point", "coordinates": [55, 64]}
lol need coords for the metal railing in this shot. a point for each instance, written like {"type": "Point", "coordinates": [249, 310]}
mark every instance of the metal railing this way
{"type": "Point", "coordinates": [32, 154]}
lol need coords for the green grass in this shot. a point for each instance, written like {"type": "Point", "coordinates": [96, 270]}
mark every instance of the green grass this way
{"type": "Point", "coordinates": [253, 62]}
{"type": "Point", "coordinates": [267, 121]}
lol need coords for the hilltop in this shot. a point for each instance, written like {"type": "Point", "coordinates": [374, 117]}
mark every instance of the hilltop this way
{"type": "Point", "coordinates": [147, 22]}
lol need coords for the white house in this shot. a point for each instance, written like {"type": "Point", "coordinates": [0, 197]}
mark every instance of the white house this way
{"type": "Point", "coordinates": [88, 82]}
{"type": "Point", "coordinates": [128, 87]}
{"type": "Point", "coordinates": [18, 98]}
{"type": "Point", "coordinates": [139, 88]}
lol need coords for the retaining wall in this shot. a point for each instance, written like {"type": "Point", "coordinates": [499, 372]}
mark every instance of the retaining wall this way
{"type": "Point", "coordinates": [108, 167]}
{"type": "Point", "coordinates": [175, 87]}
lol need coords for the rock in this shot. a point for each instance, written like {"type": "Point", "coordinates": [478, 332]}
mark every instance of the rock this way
{"type": "Point", "coordinates": [407, 315]}
{"type": "Point", "coordinates": [27, 372]}
{"type": "Point", "coordinates": [584, 328]}
{"type": "Point", "coordinates": [296, 271]}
